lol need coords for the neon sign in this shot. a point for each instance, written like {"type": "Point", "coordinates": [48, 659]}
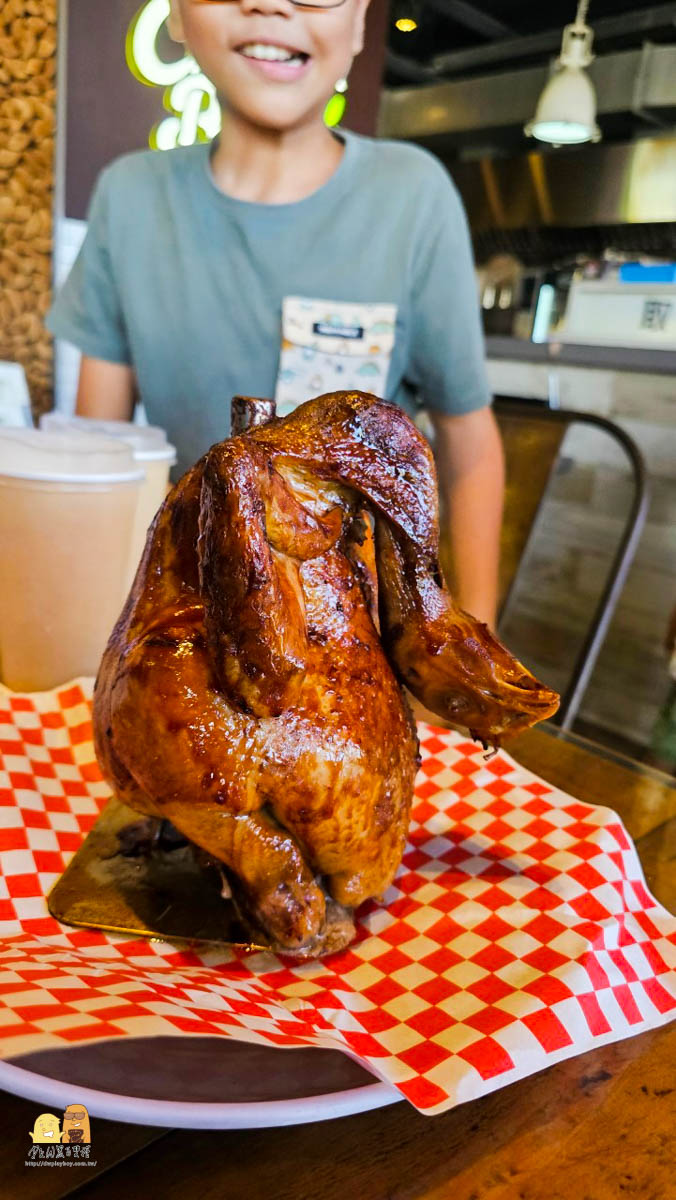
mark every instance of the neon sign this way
{"type": "Point", "coordinates": [189, 97]}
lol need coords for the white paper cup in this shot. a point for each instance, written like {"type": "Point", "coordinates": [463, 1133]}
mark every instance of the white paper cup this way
{"type": "Point", "coordinates": [156, 464]}
{"type": "Point", "coordinates": [154, 455]}
{"type": "Point", "coordinates": [67, 510]}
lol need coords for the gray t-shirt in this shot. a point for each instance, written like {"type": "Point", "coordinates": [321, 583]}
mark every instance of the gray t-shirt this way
{"type": "Point", "coordinates": [188, 285]}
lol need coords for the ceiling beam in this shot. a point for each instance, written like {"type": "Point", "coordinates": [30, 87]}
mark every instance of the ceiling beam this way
{"type": "Point", "coordinates": [408, 70]}
{"type": "Point", "coordinates": [638, 23]}
{"type": "Point", "coordinates": [471, 17]}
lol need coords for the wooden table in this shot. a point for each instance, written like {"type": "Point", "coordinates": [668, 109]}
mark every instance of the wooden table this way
{"type": "Point", "coordinates": [597, 1127]}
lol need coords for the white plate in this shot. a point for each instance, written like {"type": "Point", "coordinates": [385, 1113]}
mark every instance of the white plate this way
{"type": "Point", "coordinates": [198, 1082]}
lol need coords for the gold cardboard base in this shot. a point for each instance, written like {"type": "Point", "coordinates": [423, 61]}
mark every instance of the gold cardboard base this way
{"type": "Point", "coordinates": [162, 894]}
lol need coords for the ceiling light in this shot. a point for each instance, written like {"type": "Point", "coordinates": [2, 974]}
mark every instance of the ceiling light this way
{"type": "Point", "coordinates": [566, 110]}
{"type": "Point", "coordinates": [406, 24]}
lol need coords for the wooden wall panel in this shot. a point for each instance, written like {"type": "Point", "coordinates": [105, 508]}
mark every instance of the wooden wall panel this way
{"type": "Point", "coordinates": [108, 112]}
{"type": "Point", "coordinates": [366, 75]}
{"type": "Point", "coordinates": [27, 112]}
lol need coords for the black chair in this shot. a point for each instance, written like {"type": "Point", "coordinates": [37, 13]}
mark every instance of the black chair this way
{"type": "Point", "coordinates": [532, 435]}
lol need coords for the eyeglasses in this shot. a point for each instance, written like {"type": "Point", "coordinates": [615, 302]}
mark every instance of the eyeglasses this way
{"type": "Point", "coordinates": [296, 3]}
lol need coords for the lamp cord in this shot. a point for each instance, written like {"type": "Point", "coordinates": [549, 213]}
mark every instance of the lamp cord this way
{"type": "Point", "coordinates": [581, 18]}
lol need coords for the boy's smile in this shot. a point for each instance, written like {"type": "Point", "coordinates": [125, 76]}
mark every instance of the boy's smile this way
{"type": "Point", "coordinates": [275, 61]}
{"type": "Point", "coordinates": [274, 64]}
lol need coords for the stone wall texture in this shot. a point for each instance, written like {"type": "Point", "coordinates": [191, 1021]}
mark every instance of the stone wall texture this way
{"type": "Point", "coordinates": [27, 126]}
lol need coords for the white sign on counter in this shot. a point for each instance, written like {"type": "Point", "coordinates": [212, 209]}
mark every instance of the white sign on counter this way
{"type": "Point", "coordinates": [621, 314]}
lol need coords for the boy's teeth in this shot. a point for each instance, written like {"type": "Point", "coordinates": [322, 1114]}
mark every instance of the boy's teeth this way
{"type": "Point", "coordinates": [270, 53]}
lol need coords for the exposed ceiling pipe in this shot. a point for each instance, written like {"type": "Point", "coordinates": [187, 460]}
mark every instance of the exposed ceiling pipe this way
{"type": "Point", "coordinates": [642, 87]}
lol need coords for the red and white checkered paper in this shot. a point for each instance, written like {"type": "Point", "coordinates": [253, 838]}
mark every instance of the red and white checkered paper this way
{"type": "Point", "coordinates": [518, 932]}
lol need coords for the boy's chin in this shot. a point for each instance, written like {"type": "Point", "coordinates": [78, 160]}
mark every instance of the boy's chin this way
{"type": "Point", "coordinates": [276, 111]}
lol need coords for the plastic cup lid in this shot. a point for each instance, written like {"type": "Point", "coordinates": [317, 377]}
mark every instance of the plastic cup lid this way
{"type": "Point", "coordinates": [148, 442]}
{"type": "Point", "coordinates": [65, 457]}
{"type": "Point", "coordinates": [165, 453]}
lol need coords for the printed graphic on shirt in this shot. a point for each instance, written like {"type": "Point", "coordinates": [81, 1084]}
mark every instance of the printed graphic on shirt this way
{"type": "Point", "coordinates": [332, 345]}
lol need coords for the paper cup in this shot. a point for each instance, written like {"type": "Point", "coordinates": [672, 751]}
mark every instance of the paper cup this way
{"type": "Point", "coordinates": [67, 510]}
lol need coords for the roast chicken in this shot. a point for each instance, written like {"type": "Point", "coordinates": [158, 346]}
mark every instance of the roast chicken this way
{"type": "Point", "coordinates": [252, 690]}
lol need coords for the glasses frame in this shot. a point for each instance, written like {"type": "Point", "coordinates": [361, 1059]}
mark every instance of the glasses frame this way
{"type": "Point", "coordinates": [296, 4]}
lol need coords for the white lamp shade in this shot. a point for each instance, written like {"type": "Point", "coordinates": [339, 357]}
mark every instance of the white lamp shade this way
{"type": "Point", "coordinates": [566, 110]}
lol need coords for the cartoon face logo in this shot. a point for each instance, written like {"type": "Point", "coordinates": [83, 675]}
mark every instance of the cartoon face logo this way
{"type": "Point", "coordinates": [76, 1125]}
{"type": "Point", "coordinates": [47, 1128]}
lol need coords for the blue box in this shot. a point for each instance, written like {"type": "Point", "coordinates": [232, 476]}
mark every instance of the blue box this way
{"type": "Point", "coordinates": [635, 272]}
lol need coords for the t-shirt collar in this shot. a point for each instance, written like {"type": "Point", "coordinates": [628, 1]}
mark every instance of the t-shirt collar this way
{"type": "Point", "coordinates": [318, 196]}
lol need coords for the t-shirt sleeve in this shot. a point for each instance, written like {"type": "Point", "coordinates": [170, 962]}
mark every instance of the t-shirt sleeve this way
{"type": "Point", "coordinates": [447, 356]}
{"type": "Point", "coordinates": [87, 310]}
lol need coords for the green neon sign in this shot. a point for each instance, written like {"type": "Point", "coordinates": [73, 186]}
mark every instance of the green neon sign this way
{"type": "Point", "coordinates": [189, 97]}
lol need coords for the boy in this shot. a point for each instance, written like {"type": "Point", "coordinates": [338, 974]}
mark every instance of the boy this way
{"type": "Point", "coordinates": [354, 253]}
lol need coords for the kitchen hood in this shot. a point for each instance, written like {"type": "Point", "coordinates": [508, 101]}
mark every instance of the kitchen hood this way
{"type": "Point", "coordinates": [637, 85]}
{"type": "Point", "coordinates": [475, 126]}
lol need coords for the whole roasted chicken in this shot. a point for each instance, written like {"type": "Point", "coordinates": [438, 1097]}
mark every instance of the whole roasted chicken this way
{"type": "Point", "coordinates": [251, 691]}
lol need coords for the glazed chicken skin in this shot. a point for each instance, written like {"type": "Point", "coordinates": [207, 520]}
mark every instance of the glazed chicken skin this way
{"type": "Point", "coordinates": [251, 690]}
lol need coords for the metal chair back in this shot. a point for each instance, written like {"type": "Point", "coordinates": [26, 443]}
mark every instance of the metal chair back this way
{"type": "Point", "coordinates": [532, 436]}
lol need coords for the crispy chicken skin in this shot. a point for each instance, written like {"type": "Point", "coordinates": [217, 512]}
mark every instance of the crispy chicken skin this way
{"type": "Point", "coordinates": [251, 690]}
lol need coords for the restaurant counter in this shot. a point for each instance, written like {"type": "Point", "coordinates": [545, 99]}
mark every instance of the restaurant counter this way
{"type": "Point", "coordinates": [565, 354]}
